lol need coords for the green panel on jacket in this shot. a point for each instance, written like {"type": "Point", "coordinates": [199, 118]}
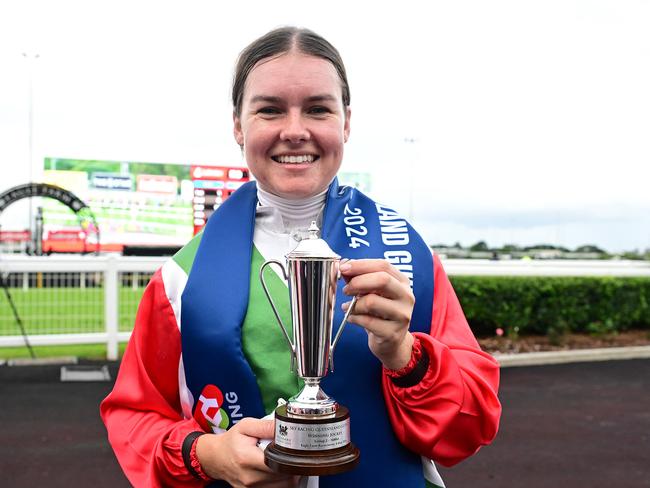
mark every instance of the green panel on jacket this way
{"type": "Point", "coordinates": [185, 256]}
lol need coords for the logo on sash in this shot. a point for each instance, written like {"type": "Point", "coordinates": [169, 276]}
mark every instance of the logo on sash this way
{"type": "Point", "coordinates": [209, 412]}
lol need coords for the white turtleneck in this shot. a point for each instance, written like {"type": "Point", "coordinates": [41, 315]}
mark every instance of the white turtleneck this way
{"type": "Point", "coordinates": [280, 223]}
{"type": "Point", "coordinates": [296, 213]}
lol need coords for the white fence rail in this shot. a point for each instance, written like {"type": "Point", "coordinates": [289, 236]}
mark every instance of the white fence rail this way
{"type": "Point", "coordinates": [521, 267]}
{"type": "Point", "coordinates": [72, 299]}
{"type": "Point", "coordinates": [89, 299]}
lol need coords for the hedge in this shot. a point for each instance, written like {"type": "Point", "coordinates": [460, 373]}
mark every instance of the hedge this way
{"type": "Point", "coordinates": [553, 305]}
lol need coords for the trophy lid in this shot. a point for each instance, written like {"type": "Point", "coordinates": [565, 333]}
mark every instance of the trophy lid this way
{"type": "Point", "coordinates": [313, 247]}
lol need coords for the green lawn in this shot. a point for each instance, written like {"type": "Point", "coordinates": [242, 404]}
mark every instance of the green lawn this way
{"type": "Point", "coordinates": [65, 310]}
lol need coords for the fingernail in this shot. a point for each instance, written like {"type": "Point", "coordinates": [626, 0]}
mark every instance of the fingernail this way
{"type": "Point", "coordinates": [345, 289]}
{"type": "Point", "coordinates": [345, 265]}
{"type": "Point", "coordinates": [345, 306]}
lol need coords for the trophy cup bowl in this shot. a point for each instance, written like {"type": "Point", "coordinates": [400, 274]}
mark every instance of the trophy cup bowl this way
{"type": "Point", "coordinates": [312, 431]}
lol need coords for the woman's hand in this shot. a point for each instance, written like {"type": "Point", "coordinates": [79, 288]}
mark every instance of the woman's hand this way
{"type": "Point", "coordinates": [384, 308]}
{"type": "Point", "coordinates": [235, 457]}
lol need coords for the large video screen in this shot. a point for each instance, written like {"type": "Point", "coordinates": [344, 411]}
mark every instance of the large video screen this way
{"type": "Point", "coordinates": [135, 204]}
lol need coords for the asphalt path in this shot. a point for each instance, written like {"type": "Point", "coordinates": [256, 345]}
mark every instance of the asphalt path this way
{"type": "Point", "coordinates": [569, 425]}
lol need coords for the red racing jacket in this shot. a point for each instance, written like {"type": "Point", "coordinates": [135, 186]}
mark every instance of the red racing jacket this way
{"type": "Point", "coordinates": [446, 417]}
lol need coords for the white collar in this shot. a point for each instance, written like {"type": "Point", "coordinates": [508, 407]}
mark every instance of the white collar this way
{"type": "Point", "coordinates": [295, 214]}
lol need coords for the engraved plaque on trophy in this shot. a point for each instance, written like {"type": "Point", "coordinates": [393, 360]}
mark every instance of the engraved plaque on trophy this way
{"type": "Point", "coordinates": [312, 431]}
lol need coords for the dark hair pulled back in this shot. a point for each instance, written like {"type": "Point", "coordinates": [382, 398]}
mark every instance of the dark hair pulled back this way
{"type": "Point", "coordinates": [280, 41]}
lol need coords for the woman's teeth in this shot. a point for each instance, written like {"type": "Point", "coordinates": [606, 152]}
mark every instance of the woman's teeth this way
{"type": "Point", "coordinates": [306, 158]}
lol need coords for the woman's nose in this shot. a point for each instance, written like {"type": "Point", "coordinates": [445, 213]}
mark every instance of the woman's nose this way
{"type": "Point", "coordinates": [294, 130]}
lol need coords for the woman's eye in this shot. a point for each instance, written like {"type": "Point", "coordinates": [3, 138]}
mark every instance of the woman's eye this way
{"type": "Point", "coordinates": [268, 111]}
{"type": "Point", "coordinates": [319, 110]}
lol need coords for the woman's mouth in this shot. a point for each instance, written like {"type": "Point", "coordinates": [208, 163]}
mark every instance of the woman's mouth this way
{"type": "Point", "coordinates": [295, 158]}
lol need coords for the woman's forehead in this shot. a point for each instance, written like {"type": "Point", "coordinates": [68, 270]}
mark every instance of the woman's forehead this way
{"type": "Point", "coordinates": [293, 74]}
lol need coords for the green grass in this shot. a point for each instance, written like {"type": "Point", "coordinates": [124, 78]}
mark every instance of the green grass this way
{"type": "Point", "coordinates": [82, 351]}
{"type": "Point", "coordinates": [65, 310]}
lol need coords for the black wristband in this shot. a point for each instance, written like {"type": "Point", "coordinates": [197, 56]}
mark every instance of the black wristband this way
{"type": "Point", "coordinates": [416, 374]}
{"type": "Point", "coordinates": [186, 450]}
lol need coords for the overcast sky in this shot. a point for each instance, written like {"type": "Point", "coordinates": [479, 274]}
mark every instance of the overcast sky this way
{"type": "Point", "coordinates": [508, 121]}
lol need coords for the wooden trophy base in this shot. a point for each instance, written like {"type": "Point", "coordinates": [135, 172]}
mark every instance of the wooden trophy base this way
{"type": "Point", "coordinates": [313, 461]}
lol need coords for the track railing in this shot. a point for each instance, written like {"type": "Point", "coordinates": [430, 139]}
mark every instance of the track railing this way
{"type": "Point", "coordinates": [89, 299]}
{"type": "Point", "coordinates": [72, 299]}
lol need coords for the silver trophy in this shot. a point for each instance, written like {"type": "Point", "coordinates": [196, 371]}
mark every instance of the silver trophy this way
{"type": "Point", "coordinates": [312, 431]}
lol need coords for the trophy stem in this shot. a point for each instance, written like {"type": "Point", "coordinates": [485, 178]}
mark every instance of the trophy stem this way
{"type": "Point", "coordinates": [311, 400]}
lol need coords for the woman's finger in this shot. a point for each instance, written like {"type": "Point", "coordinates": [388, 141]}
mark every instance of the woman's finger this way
{"type": "Point", "coordinates": [258, 428]}
{"type": "Point", "coordinates": [355, 267]}
{"type": "Point", "coordinates": [383, 331]}
{"type": "Point", "coordinates": [380, 307]}
{"type": "Point", "coordinates": [382, 283]}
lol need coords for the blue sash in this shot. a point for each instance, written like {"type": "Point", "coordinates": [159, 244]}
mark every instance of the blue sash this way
{"type": "Point", "coordinates": [214, 305]}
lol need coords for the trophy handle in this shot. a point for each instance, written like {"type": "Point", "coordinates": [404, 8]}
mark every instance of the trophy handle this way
{"type": "Point", "coordinates": [338, 333]}
{"type": "Point", "coordinates": [275, 311]}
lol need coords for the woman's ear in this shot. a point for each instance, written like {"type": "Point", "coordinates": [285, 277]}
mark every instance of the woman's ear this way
{"type": "Point", "coordinates": [346, 126]}
{"type": "Point", "coordinates": [236, 129]}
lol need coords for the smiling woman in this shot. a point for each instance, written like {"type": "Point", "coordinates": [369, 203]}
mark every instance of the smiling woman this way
{"type": "Point", "coordinates": [204, 365]}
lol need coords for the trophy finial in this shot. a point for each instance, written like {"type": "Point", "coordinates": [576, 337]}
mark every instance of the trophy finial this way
{"type": "Point", "coordinates": [313, 247]}
{"type": "Point", "coordinates": [313, 230]}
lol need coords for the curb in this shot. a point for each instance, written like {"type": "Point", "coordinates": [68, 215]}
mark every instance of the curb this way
{"type": "Point", "coordinates": [505, 360]}
{"type": "Point", "coordinates": [41, 361]}
{"type": "Point", "coordinates": [572, 356]}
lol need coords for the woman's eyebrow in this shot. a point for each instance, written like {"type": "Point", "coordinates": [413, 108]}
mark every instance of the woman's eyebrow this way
{"type": "Point", "coordinates": [311, 99]}
{"type": "Point", "coordinates": [322, 98]}
{"type": "Point", "coordinates": [265, 98]}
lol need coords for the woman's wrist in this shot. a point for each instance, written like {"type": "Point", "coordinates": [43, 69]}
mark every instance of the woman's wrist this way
{"type": "Point", "coordinates": [401, 357]}
{"type": "Point", "coordinates": [208, 448]}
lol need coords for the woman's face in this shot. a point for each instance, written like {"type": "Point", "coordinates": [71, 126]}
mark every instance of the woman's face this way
{"type": "Point", "coordinates": [293, 124]}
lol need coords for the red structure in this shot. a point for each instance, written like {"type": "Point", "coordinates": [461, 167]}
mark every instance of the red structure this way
{"type": "Point", "coordinates": [65, 241]}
